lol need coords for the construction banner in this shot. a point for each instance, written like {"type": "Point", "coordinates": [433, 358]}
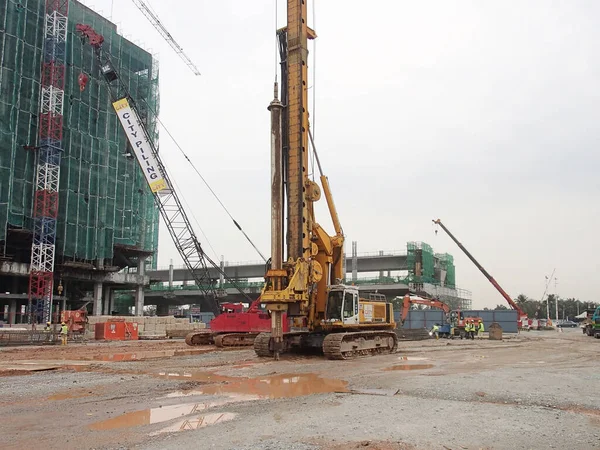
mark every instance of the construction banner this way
{"type": "Point", "coordinates": [137, 138]}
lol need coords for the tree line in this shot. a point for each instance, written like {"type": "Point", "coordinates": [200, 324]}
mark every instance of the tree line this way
{"type": "Point", "coordinates": [568, 308]}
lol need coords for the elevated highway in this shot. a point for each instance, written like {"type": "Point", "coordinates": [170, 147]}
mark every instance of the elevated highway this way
{"type": "Point", "coordinates": [391, 261]}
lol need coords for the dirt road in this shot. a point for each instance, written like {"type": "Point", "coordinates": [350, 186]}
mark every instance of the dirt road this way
{"type": "Point", "coordinates": [534, 391]}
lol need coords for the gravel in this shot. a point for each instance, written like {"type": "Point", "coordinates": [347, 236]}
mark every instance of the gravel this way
{"type": "Point", "coordinates": [531, 392]}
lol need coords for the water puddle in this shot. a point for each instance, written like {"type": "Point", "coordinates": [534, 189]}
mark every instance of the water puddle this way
{"type": "Point", "coordinates": [156, 415]}
{"type": "Point", "coordinates": [410, 367]}
{"type": "Point", "coordinates": [271, 386]}
{"type": "Point", "coordinates": [234, 389]}
{"type": "Point", "coordinates": [279, 386]}
{"type": "Point", "coordinates": [197, 422]}
{"type": "Point", "coordinates": [205, 377]}
{"type": "Point", "coordinates": [412, 358]}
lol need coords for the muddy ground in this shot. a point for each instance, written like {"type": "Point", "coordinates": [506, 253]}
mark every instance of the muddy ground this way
{"type": "Point", "coordinates": [535, 391]}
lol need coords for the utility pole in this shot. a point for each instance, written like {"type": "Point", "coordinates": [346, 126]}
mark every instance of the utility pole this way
{"type": "Point", "coordinates": [548, 281]}
{"type": "Point", "coordinates": [556, 295]}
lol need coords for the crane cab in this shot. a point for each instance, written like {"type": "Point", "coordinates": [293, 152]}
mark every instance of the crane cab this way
{"type": "Point", "coordinates": [346, 309]}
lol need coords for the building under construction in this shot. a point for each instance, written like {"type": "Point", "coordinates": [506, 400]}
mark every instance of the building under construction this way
{"type": "Point", "coordinates": [75, 209]}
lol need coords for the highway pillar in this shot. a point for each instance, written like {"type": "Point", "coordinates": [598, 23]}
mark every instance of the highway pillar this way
{"type": "Point", "coordinates": [111, 301]}
{"type": "Point", "coordinates": [12, 312]}
{"type": "Point", "coordinates": [97, 309]}
{"type": "Point", "coordinates": [106, 301]}
{"type": "Point", "coordinates": [139, 290]}
{"type": "Point", "coordinates": [354, 261]}
{"type": "Point", "coordinates": [171, 275]}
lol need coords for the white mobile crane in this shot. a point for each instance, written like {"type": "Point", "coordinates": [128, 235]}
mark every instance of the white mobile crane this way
{"type": "Point", "coordinates": [166, 198]}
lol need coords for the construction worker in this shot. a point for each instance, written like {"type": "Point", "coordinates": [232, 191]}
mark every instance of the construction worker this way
{"type": "Point", "coordinates": [47, 331]}
{"type": "Point", "coordinates": [467, 330]}
{"type": "Point", "coordinates": [64, 331]}
{"type": "Point", "coordinates": [473, 329]}
{"type": "Point", "coordinates": [480, 328]}
{"type": "Point", "coordinates": [435, 330]}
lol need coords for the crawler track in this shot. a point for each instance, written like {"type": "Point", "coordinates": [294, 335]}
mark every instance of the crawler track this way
{"type": "Point", "coordinates": [360, 343]}
{"type": "Point", "coordinates": [199, 338]}
{"type": "Point", "coordinates": [235, 339]}
{"type": "Point", "coordinates": [261, 344]}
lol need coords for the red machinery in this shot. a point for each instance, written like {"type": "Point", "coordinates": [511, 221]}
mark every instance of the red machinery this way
{"type": "Point", "coordinates": [75, 320]}
{"type": "Point", "coordinates": [234, 326]}
{"type": "Point", "coordinates": [117, 330]}
{"type": "Point", "coordinates": [523, 321]}
{"type": "Point", "coordinates": [408, 300]}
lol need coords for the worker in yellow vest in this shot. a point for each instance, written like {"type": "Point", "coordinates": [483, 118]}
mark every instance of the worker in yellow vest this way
{"type": "Point", "coordinates": [467, 329]}
{"type": "Point", "coordinates": [473, 329]}
{"type": "Point", "coordinates": [480, 327]}
{"type": "Point", "coordinates": [64, 331]}
{"type": "Point", "coordinates": [48, 331]}
{"type": "Point", "coordinates": [435, 330]}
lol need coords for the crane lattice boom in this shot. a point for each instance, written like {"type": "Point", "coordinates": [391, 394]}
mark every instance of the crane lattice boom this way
{"type": "Point", "coordinates": [156, 23]}
{"type": "Point", "coordinates": [166, 198]}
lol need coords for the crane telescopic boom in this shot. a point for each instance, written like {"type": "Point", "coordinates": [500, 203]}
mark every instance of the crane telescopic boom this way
{"type": "Point", "coordinates": [511, 302]}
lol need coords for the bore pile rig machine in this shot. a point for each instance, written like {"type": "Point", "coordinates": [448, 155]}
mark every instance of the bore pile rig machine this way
{"type": "Point", "coordinates": [307, 285]}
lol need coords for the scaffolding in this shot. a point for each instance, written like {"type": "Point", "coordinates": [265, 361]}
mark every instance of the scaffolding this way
{"type": "Point", "coordinates": [446, 263]}
{"type": "Point", "coordinates": [420, 261]}
{"type": "Point", "coordinates": [104, 200]}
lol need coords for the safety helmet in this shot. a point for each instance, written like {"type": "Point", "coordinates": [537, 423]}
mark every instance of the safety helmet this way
{"type": "Point", "coordinates": [63, 323]}
{"type": "Point", "coordinates": [48, 323]}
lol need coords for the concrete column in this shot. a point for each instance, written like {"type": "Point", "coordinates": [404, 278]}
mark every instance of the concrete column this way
{"type": "Point", "coordinates": [105, 301]}
{"type": "Point", "coordinates": [111, 301]}
{"type": "Point", "coordinates": [12, 311]}
{"type": "Point", "coordinates": [381, 271]}
{"type": "Point", "coordinates": [354, 261]}
{"type": "Point", "coordinates": [139, 290]}
{"type": "Point", "coordinates": [162, 310]}
{"type": "Point", "coordinates": [221, 276]}
{"type": "Point", "coordinates": [97, 310]}
{"type": "Point", "coordinates": [171, 274]}
{"type": "Point", "coordinates": [139, 301]}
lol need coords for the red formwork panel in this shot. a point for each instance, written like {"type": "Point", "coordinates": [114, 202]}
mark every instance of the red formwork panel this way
{"type": "Point", "coordinates": [117, 331]}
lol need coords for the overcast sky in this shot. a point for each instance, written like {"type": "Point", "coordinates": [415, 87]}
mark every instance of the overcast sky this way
{"type": "Point", "coordinates": [482, 113]}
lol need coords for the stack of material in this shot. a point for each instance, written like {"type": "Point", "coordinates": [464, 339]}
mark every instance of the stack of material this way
{"type": "Point", "coordinates": [150, 327]}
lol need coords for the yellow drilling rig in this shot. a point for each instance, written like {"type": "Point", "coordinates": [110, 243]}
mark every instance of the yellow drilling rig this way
{"type": "Point", "coordinates": [307, 284]}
